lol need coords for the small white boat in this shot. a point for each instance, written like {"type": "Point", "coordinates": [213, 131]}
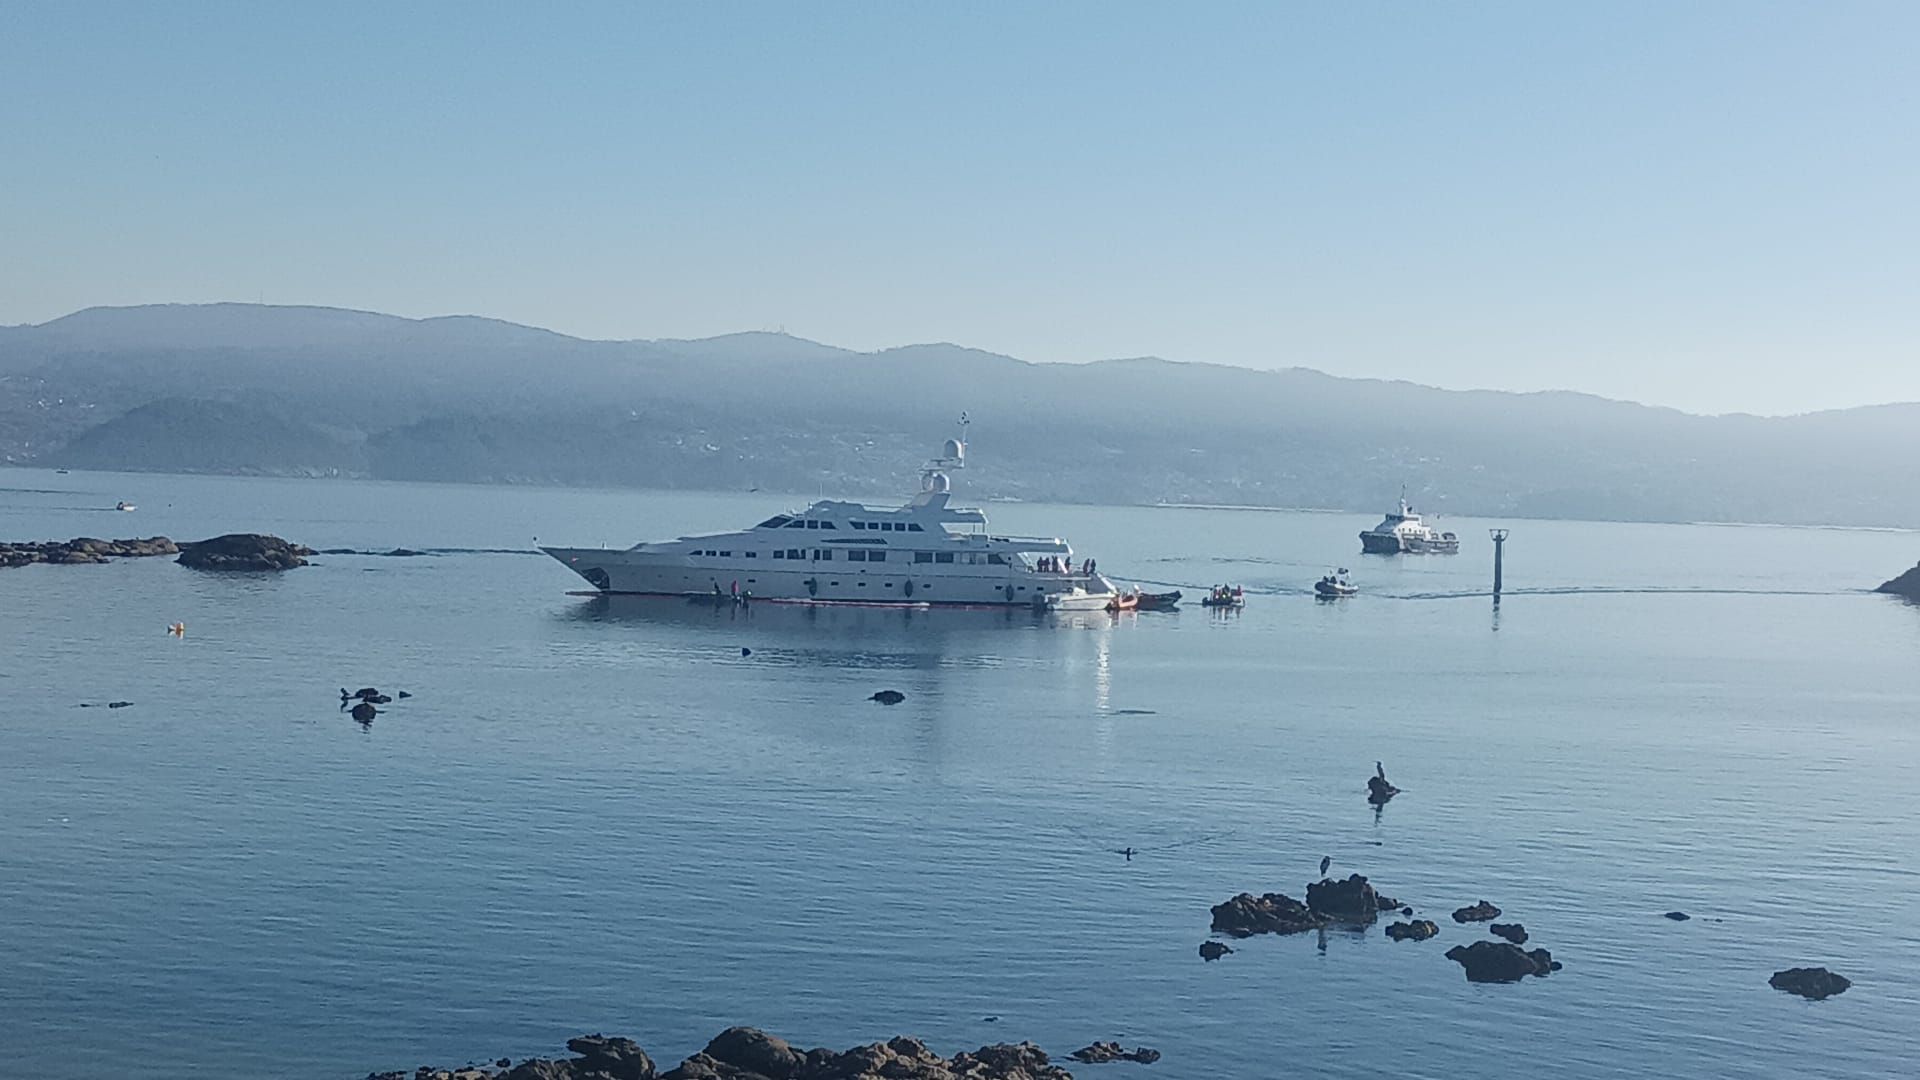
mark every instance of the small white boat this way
{"type": "Point", "coordinates": [123, 505]}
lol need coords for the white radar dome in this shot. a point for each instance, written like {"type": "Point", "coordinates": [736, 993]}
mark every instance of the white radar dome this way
{"type": "Point", "coordinates": [941, 483]}
{"type": "Point", "coordinates": [954, 449]}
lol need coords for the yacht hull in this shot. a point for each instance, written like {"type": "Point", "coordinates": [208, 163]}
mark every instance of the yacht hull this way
{"type": "Point", "coordinates": [641, 573]}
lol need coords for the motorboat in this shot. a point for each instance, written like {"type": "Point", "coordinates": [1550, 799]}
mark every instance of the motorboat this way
{"type": "Point", "coordinates": [926, 552]}
{"type": "Point", "coordinates": [1225, 596]}
{"type": "Point", "coordinates": [1164, 601]}
{"type": "Point", "coordinates": [124, 506]}
{"type": "Point", "coordinates": [1334, 586]}
{"type": "Point", "coordinates": [1405, 533]}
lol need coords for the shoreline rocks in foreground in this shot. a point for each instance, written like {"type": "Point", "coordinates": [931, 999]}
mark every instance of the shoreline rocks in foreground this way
{"type": "Point", "coordinates": [1907, 584]}
{"type": "Point", "coordinates": [243, 551]}
{"type": "Point", "coordinates": [744, 1053]}
{"type": "Point", "coordinates": [83, 549]}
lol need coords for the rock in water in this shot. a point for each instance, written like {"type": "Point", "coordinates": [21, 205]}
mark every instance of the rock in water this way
{"type": "Point", "coordinates": [243, 551]}
{"type": "Point", "coordinates": [1418, 930]}
{"type": "Point", "coordinates": [1246, 915]}
{"type": "Point", "coordinates": [612, 1057]}
{"type": "Point", "coordinates": [1213, 950]}
{"type": "Point", "coordinates": [1512, 931]}
{"type": "Point", "coordinates": [1814, 983]}
{"type": "Point", "coordinates": [1352, 900]}
{"type": "Point", "coordinates": [888, 697]}
{"type": "Point", "coordinates": [1907, 585]}
{"type": "Point", "coordinates": [1102, 1052]}
{"type": "Point", "coordinates": [364, 712]}
{"type": "Point", "coordinates": [1480, 912]}
{"type": "Point", "coordinates": [1498, 961]}
{"type": "Point", "coordinates": [1678, 916]}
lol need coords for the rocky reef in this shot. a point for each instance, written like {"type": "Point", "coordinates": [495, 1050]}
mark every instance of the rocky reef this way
{"type": "Point", "coordinates": [243, 551]}
{"type": "Point", "coordinates": [744, 1053]}
{"type": "Point", "coordinates": [1907, 585]}
{"type": "Point", "coordinates": [1416, 930]}
{"type": "Point", "coordinates": [83, 549]}
{"type": "Point", "coordinates": [1480, 912]}
{"type": "Point", "coordinates": [1246, 915]}
{"type": "Point", "coordinates": [1814, 983]}
{"type": "Point", "coordinates": [1498, 961]}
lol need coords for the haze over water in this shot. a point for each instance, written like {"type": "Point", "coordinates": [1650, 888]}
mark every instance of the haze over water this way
{"type": "Point", "coordinates": [597, 815]}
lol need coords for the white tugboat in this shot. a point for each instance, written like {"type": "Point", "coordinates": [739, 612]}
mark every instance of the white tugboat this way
{"type": "Point", "coordinates": [1405, 533]}
{"type": "Point", "coordinates": [927, 552]}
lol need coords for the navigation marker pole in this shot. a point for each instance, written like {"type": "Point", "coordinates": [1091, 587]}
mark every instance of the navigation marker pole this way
{"type": "Point", "coordinates": [1499, 549]}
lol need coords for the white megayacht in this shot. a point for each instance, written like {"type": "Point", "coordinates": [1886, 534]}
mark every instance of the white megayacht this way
{"type": "Point", "coordinates": [927, 552]}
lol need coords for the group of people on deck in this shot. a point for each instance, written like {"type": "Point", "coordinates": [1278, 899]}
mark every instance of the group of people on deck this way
{"type": "Point", "coordinates": [1054, 564]}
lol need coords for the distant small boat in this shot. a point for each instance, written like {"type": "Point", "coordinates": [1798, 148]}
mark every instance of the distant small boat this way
{"type": "Point", "coordinates": [1159, 601]}
{"type": "Point", "coordinates": [1334, 586]}
{"type": "Point", "coordinates": [124, 506]}
{"type": "Point", "coordinates": [1225, 596]}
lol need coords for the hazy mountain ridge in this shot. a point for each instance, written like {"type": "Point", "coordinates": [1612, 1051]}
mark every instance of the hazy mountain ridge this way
{"type": "Point", "coordinates": [309, 390]}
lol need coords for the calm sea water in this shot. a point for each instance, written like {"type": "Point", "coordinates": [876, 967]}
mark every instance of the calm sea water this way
{"type": "Point", "coordinates": [598, 816]}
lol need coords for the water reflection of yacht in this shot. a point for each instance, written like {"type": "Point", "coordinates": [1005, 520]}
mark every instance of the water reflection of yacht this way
{"type": "Point", "coordinates": [927, 552]}
{"type": "Point", "coordinates": [1404, 532]}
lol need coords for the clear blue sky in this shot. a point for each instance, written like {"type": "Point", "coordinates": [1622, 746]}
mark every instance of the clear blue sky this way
{"type": "Point", "coordinates": [1709, 205]}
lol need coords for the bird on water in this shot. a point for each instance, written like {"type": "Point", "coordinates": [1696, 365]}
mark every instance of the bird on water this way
{"type": "Point", "coordinates": [1325, 861]}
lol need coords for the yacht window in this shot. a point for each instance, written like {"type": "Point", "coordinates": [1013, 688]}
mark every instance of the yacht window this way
{"type": "Point", "coordinates": [997, 560]}
{"type": "Point", "coordinates": [856, 556]}
{"type": "Point", "coordinates": [922, 556]}
{"type": "Point", "coordinates": [911, 527]}
{"type": "Point", "coordinates": [858, 524]}
{"type": "Point", "coordinates": [795, 524]}
{"type": "Point", "coordinates": [812, 524]}
{"type": "Point", "coordinates": [750, 554]}
{"type": "Point", "coordinates": [943, 556]}
{"type": "Point", "coordinates": [823, 554]}
{"type": "Point", "coordinates": [826, 525]}
{"type": "Point", "coordinates": [773, 522]}
{"type": "Point", "coordinates": [796, 553]}
{"type": "Point", "coordinates": [876, 556]}
{"type": "Point", "coordinates": [779, 553]}
{"type": "Point", "coordinates": [726, 554]}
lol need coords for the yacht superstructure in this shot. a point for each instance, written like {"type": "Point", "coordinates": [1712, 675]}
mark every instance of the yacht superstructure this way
{"type": "Point", "coordinates": [925, 552]}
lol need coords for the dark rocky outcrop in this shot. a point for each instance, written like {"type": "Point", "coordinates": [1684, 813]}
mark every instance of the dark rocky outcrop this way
{"type": "Point", "coordinates": [1907, 585]}
{"type": "Point", "coordinates": [1480, 912]}
{"type": "Point", "coordinates": [888, 697]}
{"type": "Point", "coordinates": [1378, 790]}
{"type": "Point", "coordinates": [1417, 930]}
{"type": "Point", "coordinates": [1814, 983]}
{"type": "Point", "coordinates": [83, 549]}
{"type": "Point", "coordinates": [1213, 950]}
{"type": "Point", "coordinates": [1512, 931]}
{"type": "Point", "coordinates": [744, 1053]}
{"type": "Point", "coordinates": [1246, 915]}
{"type": "Point", "coordinates": [1498, 961]}
{"type": "Point", "coordinates": [243, 551]}
{"type": "Point", "coordinates": [1352, 900]}
{"type": "Point", "coordinates": [1101, 1053]}
{"type": "Point", "coordinates": [1678, 916]}
{"type": "Point", "coordinates": [364, 712]}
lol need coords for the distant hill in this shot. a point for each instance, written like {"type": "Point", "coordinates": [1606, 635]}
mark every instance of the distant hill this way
{"type": "Point", "coordinates": [301, 390]}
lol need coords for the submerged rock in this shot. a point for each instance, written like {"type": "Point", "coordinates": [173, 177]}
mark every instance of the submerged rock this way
{"type": "Point", "coordinates": [1101, 1053]}
{"type": "Point", "coordinates": [364, 712]}
{"type": "Point", "coordinates": [1678, 916]}
{"type": "Point", "coordinates": [1378, 790]}
{"type": "Point", "coordinates": [1814, 983]}
{"type": "Point", "coordinates": [1246, 915]}
{"type": "Point", "coordinates": [888, 697]}
{"type": "Point", "coordinates": [1480, 912]}
{"type": "Point", "coordinates": [1417, 930]}
{"type": "Point", "coordinates": [1498, 961]}
{"type": "Point", "coordinates": [83, 549]}
{"type": "Point", "coordinates": [243, 551]}
{"type": "Point", "coordinates": [1512, 931]}
{"type": "Point", "coordinates": [1213, 950]}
